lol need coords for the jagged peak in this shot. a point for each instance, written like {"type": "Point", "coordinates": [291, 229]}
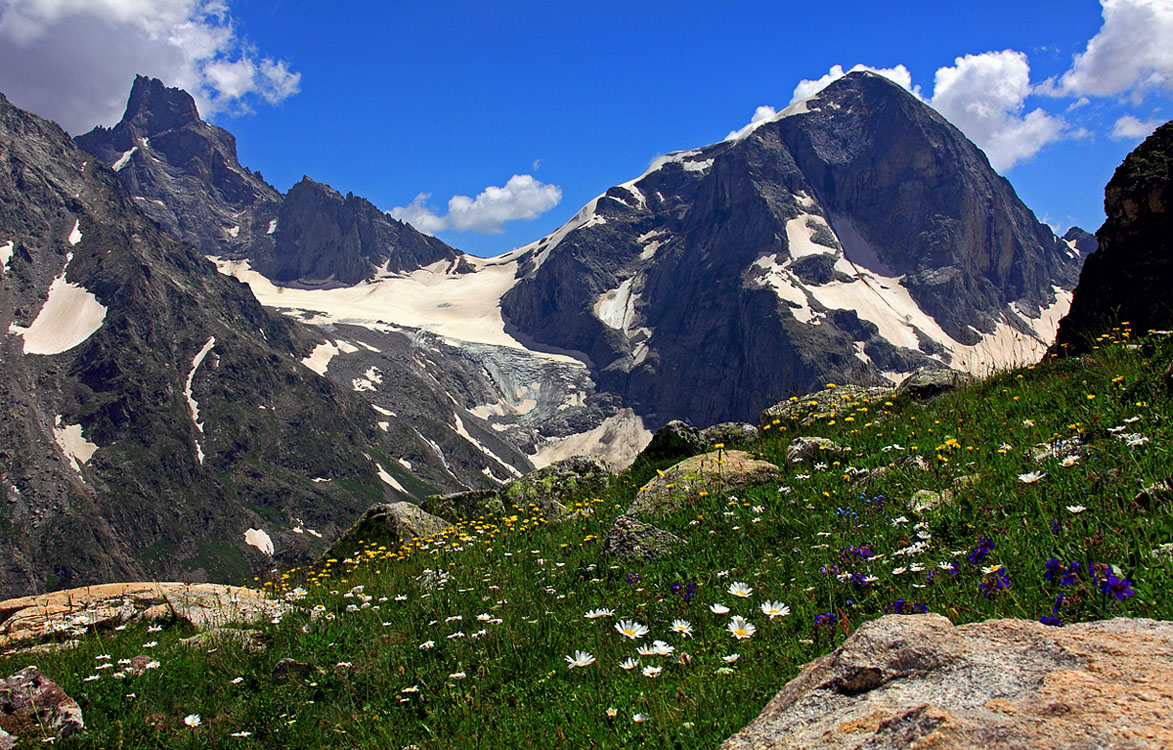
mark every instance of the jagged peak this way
{"type": "Point", "coordinates": [153, 107]}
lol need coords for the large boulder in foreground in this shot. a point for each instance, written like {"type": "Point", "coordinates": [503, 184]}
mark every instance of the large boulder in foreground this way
{"type": "Point", "coordinates": [681, 485]}
{"type": "Point", "coordinates": [388, 525]}
{"type": "Point", "coordinates": [918, 681]}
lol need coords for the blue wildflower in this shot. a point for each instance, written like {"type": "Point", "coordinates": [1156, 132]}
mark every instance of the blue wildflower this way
{"type": "Point", "coordinates": [1052, 620]}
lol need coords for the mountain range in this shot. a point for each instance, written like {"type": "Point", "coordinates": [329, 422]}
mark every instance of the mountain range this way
{"type": "Point", "coordinates": [160, 414]}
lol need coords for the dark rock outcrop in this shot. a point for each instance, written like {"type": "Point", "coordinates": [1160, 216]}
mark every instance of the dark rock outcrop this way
{"type": "Point", "coordinates": [929, 383]}
{"type": "Point", "coordinates": [1129, 278]}
{"type": "Point", "coordinates": [918, 681]}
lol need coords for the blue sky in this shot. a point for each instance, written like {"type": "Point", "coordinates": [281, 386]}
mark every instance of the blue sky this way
{"type": "Point", "coordinates": [392, 100]}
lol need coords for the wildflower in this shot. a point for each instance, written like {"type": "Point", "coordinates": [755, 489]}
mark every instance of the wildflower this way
{"type": "Point", "coordinates": [729, 659]}
{"type": "Point", "coordinates": [1071, 460]}
{"type": "Point", "coordinates": [154, 628]}
{"type": "Point", "coordinates": [91, 678]}
{"type": "Point", "coordinates": [192, 720]}
{"type": "Point", "coordinates": [485, 616]}
{"type": "Point", "coordinates": [628, 664]}
{"type": "Point", "coordinates": [631, 629]}
{"type": "Point", "coordinates": [683, 627]}
{"type": "Point", "coordinates": [1028, 423]}
{"type": "Point", "coordinates": [1134, 440]}
{"type": "Point", "coordinates": [775, 609]}
{"type": "Point", "coordinates": [1119, 587]}
{"type": "Point", "coordinates": [1076, 508]}
{"type": "Point", "coordinates": [427, 645]}
{"type": "Point", "coordinates": [1052, 620]}
{"type": "Point", "coordinates": [1031, 477]}
{"type": "Point", "coordinates": [580, 659]}
{"type": "Point", "coordinates": [595, 614]}
{"type": "Point", "coordinates": [826, 619]}
{"type": "Point", "coordinates": [639, 718]}
{"type": "Point", "coordinates": [652, 672]}
{"type": "Point", "coordinates": [740, 628]}
{"type": "Point", "coordinates": [739, 589]}
{"type": "Point", "coordinates": [718, 609]}
{"type": "Point", "coordinates": [982, 551]}
{"type": "Point", "coordinates": [241, 733]}
{"type": "Point", "coordinates": [899, 571]}
{"type": "Point", "coordinates": [236, 681]}
{"type": "Point", "coordinates": [150, 644]}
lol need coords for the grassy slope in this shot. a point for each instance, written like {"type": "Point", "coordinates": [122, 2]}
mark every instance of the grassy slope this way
{"type": "Point", "coordinates": [804, 544]}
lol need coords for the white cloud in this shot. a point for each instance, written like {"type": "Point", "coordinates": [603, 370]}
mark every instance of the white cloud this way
{"type": "Point", "coordinates": [523, 197]}
{"type": "Point", "coordinates": [984, 96]}
{"type": "Point", "coordinates": [74, 60]}
{"type": "Point", "coordinates": [763, 112]}
{"type": "Point", "coordinates": [1131, 53]}
{"type": "Point", "coordinates": [1129, 128]}
{"type": "Point", "coordinates": [807, 88]}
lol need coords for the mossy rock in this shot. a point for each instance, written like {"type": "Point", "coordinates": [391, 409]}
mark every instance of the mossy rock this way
{"type": "Point", "coordinates": [388, 525]}
{"type": "Point", "coordinates": [552, 488]}
{"type": "Point", "coordinates": [825, 404]}
{"type": "Point", "coordinates": [680, 486]}
{"type": "Point", "coordinates": [464, 506]}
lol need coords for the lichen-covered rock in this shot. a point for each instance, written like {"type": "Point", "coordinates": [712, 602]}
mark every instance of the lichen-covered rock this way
{"type": "Point", "coordinates": [464, 506]}
{"type": "Point", "coordinates": [918, 681]}
{"type": "Point", "coordinates": [243, 638]}
{"type": "Point", "coordinates": [632, 539]}
{"type": "Point", "coordinates": [731, 434]}
{"type": "Point", "coordinates": [923, 500]}
{"type": "Point", "coordinates": [813, 448]}
{"type": "Point", "coordinates": [825, 404]}
{"type": "Point", "coordinates": [32, 704]}
{"type": "Point", "coordinates": [549, 487]}
{"type": "Point", "coordinates": [46, 617]}
{"type": "Point", "coordinates": [928, 383]}
{"type": "Point", "coordinates": [676, 439]}
{"type": "Point", "coordinates": [388, 525]}
{"type": "Point", "coordinates": [719, 471]}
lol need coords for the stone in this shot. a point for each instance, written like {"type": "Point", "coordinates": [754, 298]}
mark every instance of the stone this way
{"type": "Point", "coordinates": [813, 449]}
{"type": "Point", "coordinates": [676, 439]}
{"type": "Point", "coordinates": [719, 471]}
{"type": "Point", "coordinates": [918, 681]}
{"type": "Point", "coordinates": [288, 670]}
{"type": "Point", "coordinates": [464, 506]}
{"type": "Point", "coordinates": [1155, 491]}
{"type": "Point", "coordinates": [7, 741]}
{"type": "Point", "coordinates": [922, 500]}
{"type": "Point", "coordinates": [907, 463]}
{"type": "Point", "coordinates": [732, 434]}
{"type": "Point", "coordinates": [389, 525]}
{"type": "Point", "coordinates": [1058, 449]}
{"type": "Point", "coordinates": [31, 703]}
{"type": "Point", "coordinates": [551, 488]}
{"type": "Point", "coordinates": [44, 618]}
{"type": "Point", "coordinates": [632, 539]}
{"type": "Point", "coordinates": [925, 383]}
{"type": "Point", "coordinates": [825, 404]}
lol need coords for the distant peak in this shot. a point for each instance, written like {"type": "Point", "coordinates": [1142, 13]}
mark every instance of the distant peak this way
{"type": "Point", "coordinates": [154, 107]}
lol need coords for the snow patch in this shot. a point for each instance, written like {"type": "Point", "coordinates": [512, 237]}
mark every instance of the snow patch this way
{"type": "Point", "coordinates": [464, 433]}
{"type": "Point", "coordinates": [234, 231]}
{"type": "Point", "coordinates": [405, 463]}
{"type": "Point", "coordinates": [260, 540]}
{"type": "Point", "coordinates": [388, 479]}
{"type": "Point", "coordinates": [6, 251]}
{"type": "Point", "coordinates": [786, 286]}
{"type": "Point", "coordinates": [346, 347]}
{"type": "Point", "coordinates": [73, 444]}
{"type": "Point", "coordinates": [75, 233]}
{"type": "Point", "coordinates": [272, 226]}
{"type": "Point", "coordinates": [697, 166]}
{"type": "Point", "coordinates": [385, 426]}
{"type": "Point", "coordinates": [69, 316]}
{"type": "Point", "coordinates": [617, 441]}
{"type": "Point", "coordinates": [191, 402]}
{"type": "Point", "coordinates": [319, 359]}
{"type": "Point", "coordinates": [381, 410]}
{"type": "Point", "coordinates": [371, 378]}
{"type": "Point", "coordinates": [124, 159]}
{"type": "Point", "coordinates": [800, 236]}
{"type": "Point", "coordinates": [616, 308]}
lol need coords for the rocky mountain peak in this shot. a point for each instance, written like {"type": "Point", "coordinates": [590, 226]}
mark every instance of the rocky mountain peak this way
{"type": "Point", "coordinates": [154, 107]}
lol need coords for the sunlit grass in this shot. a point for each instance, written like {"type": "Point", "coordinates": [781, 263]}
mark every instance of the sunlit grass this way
{"type": "Point", "coordinates": [480, 636]}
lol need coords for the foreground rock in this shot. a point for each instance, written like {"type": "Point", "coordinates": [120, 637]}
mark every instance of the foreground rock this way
{"type": "Point", "coordinates": [32, 704]}
{"type": "Point", "coordinates": [632, 539]}
{"type": "Point", "coordinates": [813, 448]}
{"type": "Point", "coordinates": [32, 619]}
{"type": "Point", "coordinates": [918, 681]}
{"type": "Point", "coordinates": [681, 485]}
{"type": "Point", "coordinates": [388, 525]}
{"type": "Point", "coordinates": [825, 404]}
{"type": "Point", "coordinates": [551, 487]}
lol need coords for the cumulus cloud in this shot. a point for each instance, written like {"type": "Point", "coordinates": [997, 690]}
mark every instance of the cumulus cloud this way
{"type": "Point", "coordinates": [523, 197]}
{"type": "Point", "coordinates": [763, 112]}
{"type": "Point", "coordinates": [1132, 53]}
{"type": "Point", "coordinates": [807, 88]}
{"type": "Point", "coordinates": [74, 60]}
{"type": "Point", "coordinates": [1129, 128]}
{"type": "Point", "coordinates": [984, 96]}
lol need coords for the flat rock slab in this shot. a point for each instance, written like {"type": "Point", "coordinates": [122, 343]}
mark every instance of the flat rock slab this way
{"type": "Point", "coordinates": [719, 471]}
{"type": "Point", "coordinates": [32, 619]}
{"type": "Point", "coordinates": [918, 681]}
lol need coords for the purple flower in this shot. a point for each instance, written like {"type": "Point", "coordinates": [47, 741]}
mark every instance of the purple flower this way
{"type": "Point", "coordinates": [826, 619]}
{"type": "Point", "coordinates": [1119, 588]}
{"type": "Point", "coordinates": [632, 579]}
{"type": "Point", "coordinates": [999, 579]}
{"type": "Point", "coordinates": [1053, 568]}
{"type": "Point", "coordinates": [1052, 620]}
{"type": "Point", "coordinates": [982, 551]}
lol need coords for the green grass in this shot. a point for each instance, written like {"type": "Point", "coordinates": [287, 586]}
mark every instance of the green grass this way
{"type": "Point", "coordinates": [824, 541]}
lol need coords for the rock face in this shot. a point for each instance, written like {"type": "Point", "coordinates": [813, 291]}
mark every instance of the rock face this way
{"type": "Point", "coordinates": [151, 411]}
{"type": "Point", "coordinates": [1129, 277]}
{"type": "Point", "coordinates": [855, 236]}
{"type": "Point", "coordinates": [32, 704]}
{"type": "Point", "coordinates": [918, 681]}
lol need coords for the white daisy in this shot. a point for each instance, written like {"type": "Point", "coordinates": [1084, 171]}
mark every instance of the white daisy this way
{"type": "Point", "coordinates": [730, 658]}
{"type": "Point", "coordinates": [1076, 508]}
{"type": "Point", "coordinates": [774, 609]}
{"type": "Point", "coordinates": [739, 589]}
{"type": "Point", "coordinates": [192, 720]}
{"type": "Point", "coordinates": [683, 627]}
{"type": "Point", "coordinates": [631, 629]}
{"type": "Point", "coordinates": [580, 659]}
{"type": "Point", "coordinates": [652, 672]}
{"type": "Point", "coordinates": [739, 627]}
{"type": "Point", "coordinates": [595, 614]}
{"type": "Point", "coordinates": [628, 664]}
{"type": "Point", "coordinates": [1071, 460]}
{"type": "Point", "coordinates": [1031, 477]}
{"type": "Point", "coordinates": [640, 718]}
{"type": "Point", "coordinates": [718, 609]}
